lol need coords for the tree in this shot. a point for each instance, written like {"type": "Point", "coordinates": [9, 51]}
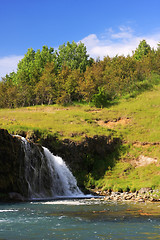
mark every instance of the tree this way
{"type": "Point", "coordinates": [26, 68]}
{"type": "Point", "coordinates": [93, 79]}
{"type": "Point", "coordinates": [142, 50]}
{"type": "Point", "coordinates": [9, 96]}
{"type": "Point", "coordinates": [45, 90]}
{"type": "Point", "coordinates": [30, 68]}
{"type": "Point", "coordinates": [73, 55]}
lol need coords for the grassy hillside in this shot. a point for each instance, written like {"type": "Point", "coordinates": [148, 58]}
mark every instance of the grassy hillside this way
{"type": "Point", "coordinates": [136, 121]}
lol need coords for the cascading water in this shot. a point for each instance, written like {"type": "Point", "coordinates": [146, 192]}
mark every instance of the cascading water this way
{"type": "Point", "coordinates": [46, 175]}
{"type": "Point", "coordinates": [64, 180]}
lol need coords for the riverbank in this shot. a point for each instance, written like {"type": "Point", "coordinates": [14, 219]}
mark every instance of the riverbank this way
{"type": "Point", "coordinates": [143, 195]}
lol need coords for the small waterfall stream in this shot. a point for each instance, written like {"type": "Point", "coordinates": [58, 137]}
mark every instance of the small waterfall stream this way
{"type": "Point", "coordinates": [63, 177]}
{"type": "Point", "coordinates": [46, 175]}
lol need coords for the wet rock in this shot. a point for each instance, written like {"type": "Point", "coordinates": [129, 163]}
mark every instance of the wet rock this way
{"type": "Point", "coordinates": [128, 196]}
{"type": "Point", "coordinates": [144, 190]}
{"type": "Point", "coordinates": [16, 197]}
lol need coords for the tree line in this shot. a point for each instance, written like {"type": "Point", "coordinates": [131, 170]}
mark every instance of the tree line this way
{"type": "Point", "coordinates": [68, 74]}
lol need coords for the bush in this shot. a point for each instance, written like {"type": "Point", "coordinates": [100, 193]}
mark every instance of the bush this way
{"type": "Point", "coordinates": [102, 98]}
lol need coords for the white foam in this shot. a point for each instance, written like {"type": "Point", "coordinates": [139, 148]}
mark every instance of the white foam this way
{"type": "Point", "coordinates": [65, 203]}
{"type": "Point", "coordinates": [75, 202]}
{"type": "Point", "coordinates": [8, 210]}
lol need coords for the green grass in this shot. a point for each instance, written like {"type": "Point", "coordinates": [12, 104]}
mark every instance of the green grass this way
{"type": "Point", "coordinates": [143, 111]}
{"type": "Point", "coordinates": [76, 122]}
{"type": "Point", "coordinates": [124, 176]}
{"type": "Point", "coordinates": [81, 120]}
{"type": "Point", "coordinates": [70, 122]}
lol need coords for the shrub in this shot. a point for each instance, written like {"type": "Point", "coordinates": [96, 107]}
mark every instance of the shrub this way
{"type": "Point", "coordinates": [102, 98]}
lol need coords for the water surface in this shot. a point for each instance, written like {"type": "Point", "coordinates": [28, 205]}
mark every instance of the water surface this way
{"type": "Point", "coordinates": [79, 219]}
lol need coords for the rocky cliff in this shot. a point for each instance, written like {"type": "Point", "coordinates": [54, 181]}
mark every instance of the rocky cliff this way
{"type": "Point", "coordinates": [14, 182]}
{"type": "Point", "coordinates": [11, 164]}
{"type": "Point", "coordinates": [93, 155]}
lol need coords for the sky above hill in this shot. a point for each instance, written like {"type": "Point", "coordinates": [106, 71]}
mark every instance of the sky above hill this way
{"type": "Point", "coordinates": [105, 27]}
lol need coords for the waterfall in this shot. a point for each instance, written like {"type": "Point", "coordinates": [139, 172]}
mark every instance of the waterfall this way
{"type": "Point", "coordinates": [46, 175]}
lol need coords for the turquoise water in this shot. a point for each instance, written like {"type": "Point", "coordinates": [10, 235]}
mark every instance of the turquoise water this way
{"type": "Point", "coordinates": [79, 219]}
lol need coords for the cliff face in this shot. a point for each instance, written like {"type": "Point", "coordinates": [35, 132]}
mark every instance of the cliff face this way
{"type": "Point", "coordinates": [11, 163]}
{"type": "Point", "coordinates": [93, 155]}
{"type": "Point", "coordinates": [18, 172]}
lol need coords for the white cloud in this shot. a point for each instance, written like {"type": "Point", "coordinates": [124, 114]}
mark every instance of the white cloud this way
{"type": "Point", "coordinates": [8, 64]}
{"type": "Point", "coordinates": [121, 42]}
{"type": "Point", "coordinates": [123, 33]}
{"type": "Point", "coordinates": [91, 40]}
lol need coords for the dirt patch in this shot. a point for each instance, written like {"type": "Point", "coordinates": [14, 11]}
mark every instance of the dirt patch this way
{"type": "Point", "coordinates": [93, 110]}
{"type": "Point", "coordinates": [143, 161]}
{"type": "Point", "coordinates": [44, 109]}
{"type": "Point", "coordinates": [145, 144]}
{"type": "Point", "coordinates": [112, 124]}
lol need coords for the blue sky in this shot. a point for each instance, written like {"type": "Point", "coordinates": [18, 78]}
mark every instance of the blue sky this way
{"type": "Point", "coordinates": [106, 27]}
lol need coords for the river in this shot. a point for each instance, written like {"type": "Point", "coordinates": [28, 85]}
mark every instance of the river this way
{"type": "Point", "coordinates": [86, 219]}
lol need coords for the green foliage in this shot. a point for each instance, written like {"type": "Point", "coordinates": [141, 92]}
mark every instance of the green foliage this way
{"type": "Point", "coordinates": [73, 55]}
{"type": "Point", "coordinates": [31, 66]}
{"type": "Point", "coordinates": [45, 90]}
{"type": "Point", "coordinates": [68, 75]}
{"type": "Point", "coordinates": [101, 99]}
{"type": "Point", "coordinates": [142, 50]}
